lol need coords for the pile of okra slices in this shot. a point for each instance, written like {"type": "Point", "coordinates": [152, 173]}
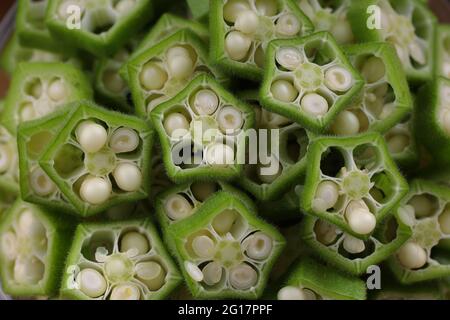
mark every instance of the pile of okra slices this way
{"type": "Point", "coordinates": [226, 149]}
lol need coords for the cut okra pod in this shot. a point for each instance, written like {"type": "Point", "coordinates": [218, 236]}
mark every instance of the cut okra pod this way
{"type": "Point", "coordinates": [242, 29]}
{"type": "Point", "coordinates": [100, 27]}
{"type": "Point", "coordinates": [442, 60]}
{"type": "Point", "coordinates": [9, 169]}
{"type": "Point", "coordinates": [426, 209]}
{"type": "Point", "coordinates": [118, 261]}
{"type": "Point", "coordinates": [202, 131]}
{"type": "Point", "coordinates": [385, 98]}
{"type": "Point", "coordinates": [311, 280]}
{"type": "Point", "coordinates": [352, 183]}
{"type": "Point", "coordinates": [38, 89]}
{"type": "Point", "coordinates": [33, 246]}
{"type": "Point", "coordinates": [406, 24]}
{"type": "Point", "coordinates": [309, 80]}
{"type": "Point", "coordinates": [99, 159]}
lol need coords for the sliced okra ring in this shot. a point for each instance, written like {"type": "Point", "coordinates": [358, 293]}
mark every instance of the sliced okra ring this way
{"type": "Point", "coordinates": [392, 290]}
{"type": "Point", "coordinates": [385, 98]}
{"type": "Point", "coordinates": [104, 26]}
{"type": "Point", "coordinates": [224, 250]}
{"type": "Point", "coordinates": [119, 261]}
{"type": "Point", "coordinates": [202, 131]}
{"type": "Point", "coordinates": [242, 29]}
{"type": "Point", "coordinates": [309, 80]}
{"type": "Point", "coordinates": [408, 25]}
{"type": "Point", "coordinates": [9, 167]}
{"type": "Point", "coordinates": [350, 254]}
{"type": "Point", "coordinates": [329, 16]}
{"type": "Point", "coordinates": [160, 72]}
{"type": "Point", "coordinates": [33, 246]}
{"type": "Point", "coordinates": [99, 159]}
{"type": "Point", "coordinates": [442, 51]}
{"type": "Point", "coordinates": [352, 182]}
{"type": "Point", "coordinates": [306, 281]}
{"type": "Point", "coordinates": [38, 89]}
{"type": "Point", "coordinates": [427, 210]}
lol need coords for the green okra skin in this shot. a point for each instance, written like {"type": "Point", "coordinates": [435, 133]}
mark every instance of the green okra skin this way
{"type": "Point", "coordinates": [215, 249]}
{"type": "Point", "coordinates": [442, 51]}
{"type": "Point", "coordinates": [350, 254]}
{"type": "Point", "coordinates": [99, 158]}
{"type": "Point", "coordinates": [286, 154]}
{"type": "Point", "coordinates": [426, 210]}
{"type": "Point", "coordinates": [209, 141]}
{"type": "Point", "coordinates": [99, 27]}
{"type": "Point", "coordinates": [352, 183]}
{"type": "Point", "coordinates": [283, 210]}
{"type": "Point", "coordinates": [329, 16]}
{"type": "Point", "coordinates": [385, 99]}
{"type": "Point", "coordinates": [199, 9]}
{"type": "Point", "coordinates": [160, 72]}
{"type": "Point", "coordinates": [9, 169]}
{"type": "Point", "coordinates": [118, 261]}
{"type": "Point", "coordinates": [242, 29]}
{"type": "Point", "coordinates": [309, 80]}
{"type": "Point", "coordinates": [311, 280]}
{"type": "Point", "coordinates": [34, 244]}
{"type": "Point", "coordinates": [407, 24]}
{"type": "Point", "coordinates": [38, 89]}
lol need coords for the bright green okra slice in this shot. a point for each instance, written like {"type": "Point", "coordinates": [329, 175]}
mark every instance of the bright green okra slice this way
{"type": "Point", "coordinates": [38, 89]}
{"type": "Point", "coordinates": [426, 209]}
{"type": "Point", "coordinates": [348, 253]}
{"type": "Point", "coordinates": [99, 27]}
{"type": "Point", "coordinates": [9, 169]}
{"type": "Point", "coordinates": [202, 131]}
{"type": "Point", "coordinates": [309, 80]}
{"type": "Point", "coordinates": [406, 24]}
{"type": "Point", "coordinates": [352, 182]}
{"type": "Point", "coordinates": [99, 158]}
{"type": "Point", "coordinates": [311, 280]}
{"type": "Point", "coordinates": [119, 261]}
{"type": "Point", "coordinates": [385, 98]}
{"type": "Point", "coordinates": [34, 243]}
{"type": "Point", "coordinates": [442, 51]}
{"type": "Point", "coordinates": [277, 157]}
{"type": "Point", "coordinates": [329, 16]}
{"type": "Point", "coordinates": [224, 250]}
{"type": "Point", "coordinates": [159, 73]}
{"type": "Point", "coordinates": [242, 29]}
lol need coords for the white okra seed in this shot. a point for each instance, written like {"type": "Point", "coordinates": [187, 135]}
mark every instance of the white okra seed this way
{"type": "Point", "coordinates": [134, 240]}
{"type": "Point", "coordinates": [95, 190]}
{"type": "Point", "coordinates": [177, 207]}
{"type": "Point", "coordinates": [267, 7]}
{"type": "Point", "coordinates": [92, 283]}
{"type": "Point", "coordinates": [124, 7]}
{"type": "Point", "coordinates": [152, 274]}
{"type": "Point", "coordinates": [206, 102]}
{"type": "Point", "coordinates": [237, 45]}
{"type": "Point", "coordinates": [314, 104]}
{"type": "Point", "coordinates": [113, 82]}
{"type": "Point", "coordinates": [338, 79]}
{"type": "Point", "coordinates": [152, 76]}
{"type": "Point", "coordinates": [9, 247]}
{"type": "Point", "coordinates": [444, 221]}
{"type": "Point", "coordinates": [288, 25]}
{"type": "Point", "coordinates": [29, 226]}
{"type": "Point", "coordinates": [224, 221]}
{"type": "Point", "coordinates": [284, 91]}
{"type": "Point", "coordinates": [212, 273]}
{"type": "Point", "coordinates": [5, 158]}
{"type": "Point", "coordinates": [412, 256]}
{"type": "Point", "coordinates": [243, 277]}
{"type": "Point", "coordinates": [342, 31]}
{"type": "Point", "coordinates": [423, 205]}
{"type": "Point", "coordinates": [359, 218]}
{"type": "Point", "coordinates": [289, 58]}
{"type": "Point", "coordinates": [260, 246]}
{"type": "Point", "coordinates": [27, 112]}
{"type": "Point", "coordinates": [219, 154]}
{"type": "Point", "coordinates": [179, 62]}
{"type": "Point", "coordinates": [353, 245]}
{"type": "Point", "coordinates": [325, 232]}
{"type": "Point", "coordinates": [232, 9]}
{"type": "Point", "coordinates": [124, 140]}
{"type": "Point", "coordinates": [247, 22]}
{"type": "Point", "coordinates": [203, 246]}
{"type": "Point", "coordinates": [230, 119]}
{"type": "Point", "coordinates": [326, 197]}
{"type": "Point", "coordinates": [176, 125]}
{"type": "Point", "coordinates": [417, 53]}
{"type": "Point", "coordinates": [193, 271]}
{"type": "Point", "coordinates": [125, 292]}
{"type": "Point", "coordinates": [373, 69]}
{"type": "Point", "coordinates": [57, 90]}
{"type": "Point", "coordinates": [41, 184]}
{"type": "Point", "coordinates": [346, 123]}
{"type": "Point", "coordinates": [128, 177]}
{"type": "Point", "coordinates": [290, 293]}
{"type": "Point", "coordinates": [203, 190]}
{"type": "Point", "coordinates": [398, 143]}
{"type": "Point", "coordinates": [91, 136]}
{"type": "Point", "coordinates": [28, 270]}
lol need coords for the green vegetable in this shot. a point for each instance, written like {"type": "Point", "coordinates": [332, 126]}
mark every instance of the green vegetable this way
{"type": "Point", "coordinates": [9, 169]}
{"type": "Point", "coordinates": [442, 51]}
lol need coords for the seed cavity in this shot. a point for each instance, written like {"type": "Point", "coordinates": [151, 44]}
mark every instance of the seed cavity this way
{"type": "Point", "coordinates": [177, 207]}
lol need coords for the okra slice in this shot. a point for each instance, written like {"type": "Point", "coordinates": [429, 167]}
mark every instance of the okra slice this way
{"type": "Point", "coordinates": [309, 80]}
{"type": "Point", "coordinates": [406, 24]}
{"type": "Point", "coordinates": [33, 245]}
{"type": "Point", "coordinates": [443, 51]}
{"type": "Point", "coordinates": [385, 98]}
{"type": "Point", "coordinates": [283, 163]}
{"type": "Point", "coordinates": [118, 261]}
{"type": "Point", "coordinates": [99, 159]}
{"type": "Point", "coordinates": [224, 250]}
{"type": "Point", "coordinates": [426, 209]}
{"type": "Point", "coordinates": [352, 183]}
{"type": "Point", "coordinates": [242, 29]}
{"type": "Point", "coordinates": [350, 254]}
{"type": "Point", "coordinates": [160, 72]}
{"type": "Point", "coordinates": [38, 89]}
{"type": "Point", "coordinates": [202, 131]}
{"type": "Point", "coordinates": [9, 169]}
{"type": "Point", "coordinates": [99, 27]}
{"type": "Point", "coordinates": [311, 280]}
{"type": "Point", "coordinates": [329, 16]}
